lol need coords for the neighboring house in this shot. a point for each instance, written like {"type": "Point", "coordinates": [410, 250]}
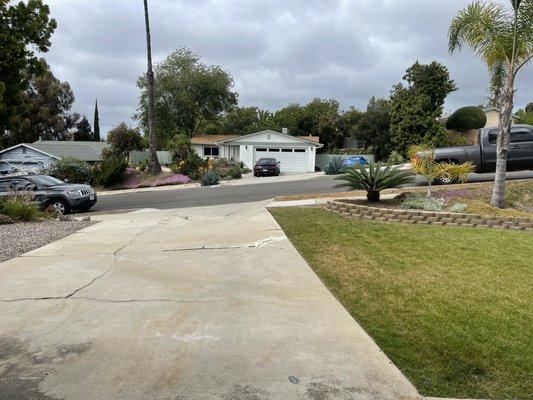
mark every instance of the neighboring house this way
{"type": "Point", "coordinates": [493, 117]}
{"type": "Point", "coordinates": [295, 153]}
{"type": "Point", "coordinates": [42, 154]}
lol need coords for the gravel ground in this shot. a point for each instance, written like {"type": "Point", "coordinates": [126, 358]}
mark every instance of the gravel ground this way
{"type": "Point", "coordinates": [19, 238]}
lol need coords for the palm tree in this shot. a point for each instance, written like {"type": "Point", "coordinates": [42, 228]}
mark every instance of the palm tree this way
{"type": "Point", "coordinates": [503, 39]}
{"type": "Point", "coordinates": [155, 168]}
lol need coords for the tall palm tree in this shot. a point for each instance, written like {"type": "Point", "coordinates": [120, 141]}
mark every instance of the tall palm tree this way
{"type": "Point", "coordinates": [155, 167]}
{"type": "Point", "coordinates": [503, 39]}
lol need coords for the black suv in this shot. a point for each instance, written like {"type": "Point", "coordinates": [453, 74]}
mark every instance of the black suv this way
{"type": "Point", "coordinates": [49, 191]}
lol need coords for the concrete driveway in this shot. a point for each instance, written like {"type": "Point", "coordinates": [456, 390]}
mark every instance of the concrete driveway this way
{"type": "Point", "coordinates": [189, 304]}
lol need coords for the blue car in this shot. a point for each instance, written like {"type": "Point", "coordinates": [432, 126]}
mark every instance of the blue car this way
{"type": "Point", "coordinates": [355, 160]}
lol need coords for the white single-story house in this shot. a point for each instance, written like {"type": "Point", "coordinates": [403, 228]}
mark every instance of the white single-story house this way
{"type": "Point", "coordinates": [33, 157]}
{"type": "Point", "coordinates": [295, 153]}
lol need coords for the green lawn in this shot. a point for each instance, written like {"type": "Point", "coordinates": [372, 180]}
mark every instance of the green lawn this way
{"type": "Point", "coordinates": [452, 307]}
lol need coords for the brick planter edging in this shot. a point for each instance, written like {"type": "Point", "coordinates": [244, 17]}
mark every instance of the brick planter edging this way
{"type": "Point", "coordinates": [349, 209]}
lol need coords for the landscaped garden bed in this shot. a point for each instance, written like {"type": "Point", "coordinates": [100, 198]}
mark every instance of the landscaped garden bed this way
{"type": "Point", "coordinates": [450, 307]}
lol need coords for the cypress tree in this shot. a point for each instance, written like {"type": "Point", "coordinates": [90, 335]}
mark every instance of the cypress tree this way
{"type": "Point", "coordinates": [96, 125]}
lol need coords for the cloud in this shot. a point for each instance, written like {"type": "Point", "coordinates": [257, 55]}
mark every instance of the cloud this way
{"type": "Point", "coordinates": [278, 51]}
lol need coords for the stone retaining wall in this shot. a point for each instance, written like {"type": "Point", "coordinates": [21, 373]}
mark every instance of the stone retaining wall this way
{"type": "Point", "coordinates": [350, 209]}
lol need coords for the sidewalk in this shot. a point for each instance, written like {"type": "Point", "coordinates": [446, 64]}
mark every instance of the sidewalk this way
{"type": "Point", "coordinates": [208, 303]}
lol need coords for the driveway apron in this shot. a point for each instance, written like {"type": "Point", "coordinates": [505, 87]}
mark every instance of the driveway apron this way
{"type": "Point", "coordinates": [205, 303]}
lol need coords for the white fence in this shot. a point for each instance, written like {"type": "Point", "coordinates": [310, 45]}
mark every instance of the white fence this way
{"type": "Point", "coordinates": [164, 157]}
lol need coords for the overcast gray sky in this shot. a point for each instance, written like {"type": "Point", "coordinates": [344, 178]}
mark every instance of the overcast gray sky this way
{"type": "Point", "coordinates": [278, 51]}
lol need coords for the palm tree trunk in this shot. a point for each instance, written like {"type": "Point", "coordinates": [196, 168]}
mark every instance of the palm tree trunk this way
{"type": "Point", "coordinates": [155, 168]}
{"type": "Point", "coordinates": [502, 145]}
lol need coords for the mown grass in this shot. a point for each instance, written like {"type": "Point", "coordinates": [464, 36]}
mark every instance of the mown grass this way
{"type": "Point", "coordinates": [452, 307]}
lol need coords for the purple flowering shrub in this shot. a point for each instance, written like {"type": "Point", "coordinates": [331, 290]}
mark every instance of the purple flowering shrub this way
{"type": "Point", "coordinates": [133, 179]}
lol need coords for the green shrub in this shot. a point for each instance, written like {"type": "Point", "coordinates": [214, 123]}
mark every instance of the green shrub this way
{"type": "Point", "coordinates": [235, 172]}
{"type": "Point", "coordinates": [421, 202]}
{"type": "Point", "coordinates": [111, 170]}
{"type": "Point", "coordinates": [395, 158]}
{"type": "Point", "coordinates": [72, 170]}
{"type": "Point", "coordinates": [458, 207]}
{"type": "Point", "coordinates": [21, 207]}
{"type": "Point", "coordinates": [374, 178]}
{"type": "Point", "coordinates": [192, 166]}
{"type": "Point", "coordinates": [466, 118]}
{"type": "Point", "coordinates": [335, 165]}
{"type": "Point", "coordinates": [210, 178]}
{"type": "Point", "coordinates": [143, 165]}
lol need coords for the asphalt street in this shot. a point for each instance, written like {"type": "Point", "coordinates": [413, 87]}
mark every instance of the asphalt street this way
{"type": "Point", "coordinates": [207, 196]}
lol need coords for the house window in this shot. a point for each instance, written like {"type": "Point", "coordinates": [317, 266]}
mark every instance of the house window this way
{"type": "Point", "coordinates": [274, 150]}
{"type": "Point", "coordinates": [211, 151]}
{"type": "Point", "coordinates": [286, 150]}
{"type": "Point", "coordinates": [24, 150]}
{"type": "Point", "coordinates": [260, 149]}
{"type": "Point", "coordinates": [299, 150]}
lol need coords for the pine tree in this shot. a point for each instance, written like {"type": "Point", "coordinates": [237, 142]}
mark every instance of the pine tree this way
{"type": "Point", "coordinates": [96, 125]}
{"type": "Point", "coordinates": [83, 130]}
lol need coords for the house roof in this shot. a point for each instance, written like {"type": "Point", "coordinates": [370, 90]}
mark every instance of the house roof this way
{"type": "Point", "coordinates": [211, 139]}
{"type": "Point", "coordinates": [490, 109]}
{"type": "Point", "coordinates": [315, 139]}
{"type": "Point", "coordinates": [28, 146]}
{"type": "Point", "coordinates": [308, 139]}
{"type": "Point", "coordinates": [86, 151]}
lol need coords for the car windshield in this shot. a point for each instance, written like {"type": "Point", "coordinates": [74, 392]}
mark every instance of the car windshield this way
{"type": "Point", "coordinates": [267, 161]}
{"type": "Point", "coordinates": [46, 181]}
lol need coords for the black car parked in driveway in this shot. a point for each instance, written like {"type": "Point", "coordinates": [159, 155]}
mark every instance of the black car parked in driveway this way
{"type": "Point", "coordinates": [49, 191]}
{"type": "Point", "coordinates": [266, 166]}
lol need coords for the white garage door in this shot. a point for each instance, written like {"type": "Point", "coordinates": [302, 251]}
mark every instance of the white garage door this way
{"type": "Point", "coordinates": [291, 159]}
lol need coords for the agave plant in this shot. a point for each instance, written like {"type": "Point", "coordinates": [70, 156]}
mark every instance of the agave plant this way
{"type": "Point", "coordinates": [335, 165]}
{"type": "Point", "coordinates": [210, 178]}
{"type": "Point", "coordinates": [374, 178]}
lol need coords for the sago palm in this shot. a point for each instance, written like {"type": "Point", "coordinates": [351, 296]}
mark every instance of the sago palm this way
{"type": "Point", "coordinates": [503, 39]}
{"type": "Point", "coordinates": [374, 178]}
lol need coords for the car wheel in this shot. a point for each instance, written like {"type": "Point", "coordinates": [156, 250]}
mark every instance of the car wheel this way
{"type": "Point", "coordinates": [60, 206]}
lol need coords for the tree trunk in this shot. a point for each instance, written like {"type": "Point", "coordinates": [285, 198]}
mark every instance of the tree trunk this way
{"type": "Point", "coordinates": [502, 145]}
{"type": "Point", "coordinates": [155, 168]}
{"type": "Point", "coordinates": [372, 195]}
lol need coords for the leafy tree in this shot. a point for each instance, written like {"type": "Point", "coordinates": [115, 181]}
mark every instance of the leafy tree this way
{"type": "Point", "coordinates": [349, 121]}
{"type": "Point", "coordinates": [180, 147]}
{"type": "Point", "coordinates": [189, 94]}
{"type": "Point", "coordinates": [417, 107]}
{"type": "Point", "coordinates": [155, 167]}
{"type": "Point", "coordinates": [526, 117]}
{"type": "Point", "coordinates": [123, 140]}
{"type": "Point", "coordinates": [319, 117]}
{"type": "Point", "coordinates": [240, 121]}
{"type": "Point", "coordinates": [503, 39]}
{"type": "Point", "coordinates": [529, 108]}
{"type": "Point", "coordinates": [25, 27]}
{"type": "Point", "coordinates": [467, 118]}
{"type": "Point", "coordinates": [83, 130]}
{"type": "Point", "coordinates": [44, 111]}
{"type": "Point", "coordinates": [96, 133]}
{"type": "Point", "coordinates": [374, 127]}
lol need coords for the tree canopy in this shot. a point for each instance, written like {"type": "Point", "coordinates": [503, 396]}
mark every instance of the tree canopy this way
{"type": "Point", "coordinates": [123, 140]}
{"type": "Point", "coordinates": [188, 95]}
{"type": "Point", "coordinates": [467, 118]}
{"type": "Point", "coordinates": [25, 27]}
{"type": "Point", "coordinates": [83, 130]}
{"type": "Point", "coordinates": [416, 108]}
{"type": "Point", "coordinates": [43, 111]}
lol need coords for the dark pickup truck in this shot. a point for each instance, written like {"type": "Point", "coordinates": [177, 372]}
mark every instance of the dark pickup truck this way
{"type": "Point", "coordinates": [483, 154]}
